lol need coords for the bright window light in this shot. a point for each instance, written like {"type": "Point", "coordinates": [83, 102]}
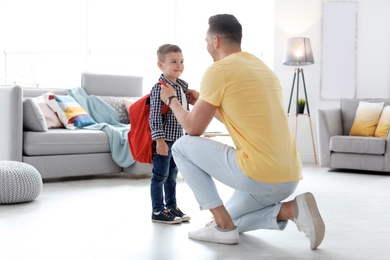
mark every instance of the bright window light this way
{"type": "Point", "coordinates": [49, 43]}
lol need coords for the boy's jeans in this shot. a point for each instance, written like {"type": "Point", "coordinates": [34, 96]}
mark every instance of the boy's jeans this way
{"type": "Point", "coordinates": [163, 180]}
{"type": "Point", "coordinates": [253, 205]}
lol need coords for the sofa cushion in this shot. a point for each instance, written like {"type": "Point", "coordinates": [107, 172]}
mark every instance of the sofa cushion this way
{"type": "Point", "coordinates": [357, 144]}
{"type": "Point", "coordinates": [348, 109]}
{"type": "Point", "coordinates": [63, 141]}
{"type": "Point", "coordinates": [52, 121]}
{"type": "Point", "coordinates": [71, 114]}
{"type": "Point", "coordinates": [33, 118]}
{"type": "Point", "coordinates": [118, 104]}
{"type": "Point", "coordinates": [51, 118]}
{"type": "Point", "coordinates": [366, 118]}
{"type": "Point", "coordinates": [384, 123]}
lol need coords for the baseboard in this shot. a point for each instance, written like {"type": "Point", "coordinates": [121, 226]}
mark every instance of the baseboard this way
{"type": "Point", "coordinates": [308, 157]}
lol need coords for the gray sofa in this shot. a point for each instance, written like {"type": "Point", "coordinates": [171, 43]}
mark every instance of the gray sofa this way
{"type": "Point", "coordinates": [61, 152]}
{"type": "Point", "coordinates": [339, 150]}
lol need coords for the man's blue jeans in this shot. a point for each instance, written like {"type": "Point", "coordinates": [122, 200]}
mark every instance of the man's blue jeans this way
{"type": "Point", "coordinates": [253, 204]}
{"type": "Point", "coordinates": [163, 180]}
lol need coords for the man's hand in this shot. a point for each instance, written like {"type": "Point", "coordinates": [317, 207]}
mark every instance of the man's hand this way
{"type": "Point", "coordinates": [166, 92]}
{"type": "Point", "coordinates": [195, 121]}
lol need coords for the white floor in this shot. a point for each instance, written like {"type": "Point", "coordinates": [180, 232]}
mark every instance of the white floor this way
{"type": "Point", "coordinates": [108, 217]}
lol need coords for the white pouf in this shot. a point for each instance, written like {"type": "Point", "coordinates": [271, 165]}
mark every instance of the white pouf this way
{"type": "Point", "coordinates": [19, 182]}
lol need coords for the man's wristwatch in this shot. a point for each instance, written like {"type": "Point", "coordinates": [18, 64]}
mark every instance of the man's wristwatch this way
{"type": "Point", "coordinates": [168, 100]}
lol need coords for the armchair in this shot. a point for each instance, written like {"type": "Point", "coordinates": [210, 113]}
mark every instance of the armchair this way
{"type": "Point", "coordinates": [337, 149]}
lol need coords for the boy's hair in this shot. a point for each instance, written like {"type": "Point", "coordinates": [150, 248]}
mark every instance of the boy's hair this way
{"type": "Point", "coordinates": [163, 50]}
{"type": "Point", "coordinates": [226, 26]}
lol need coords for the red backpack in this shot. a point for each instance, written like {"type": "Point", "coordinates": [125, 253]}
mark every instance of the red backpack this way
{"type": "Point", "coordinates": [140, 136]}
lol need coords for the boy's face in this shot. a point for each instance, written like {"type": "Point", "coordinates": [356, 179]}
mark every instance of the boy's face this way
{"type": "Point", "coordinates": [173, 65]}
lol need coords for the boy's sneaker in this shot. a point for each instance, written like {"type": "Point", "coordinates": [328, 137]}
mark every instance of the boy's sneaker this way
{"type": "Point", "coordinates": [165, 217]}
{"type": "Point", "coordinates": [178, 213]}
{"type": "Point", "coordinates": [308, 219]}
{"type": "Point", "coordinates": [212, 233]}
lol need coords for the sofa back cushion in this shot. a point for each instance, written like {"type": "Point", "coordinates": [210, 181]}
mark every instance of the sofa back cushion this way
{"type": "Point", "coordinates": [348, 110]}
{"type": "Point", "coordinates": [112, 85]}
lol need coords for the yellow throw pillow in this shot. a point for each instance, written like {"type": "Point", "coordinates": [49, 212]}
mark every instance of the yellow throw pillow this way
{"type": "Point", "coordinates": [384, 123]}
{"type": "Point", "coordinates": [366, 118]}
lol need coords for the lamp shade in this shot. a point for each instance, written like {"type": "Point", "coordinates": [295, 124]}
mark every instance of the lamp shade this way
{"type": "Point", "coordinates": [298, 52]}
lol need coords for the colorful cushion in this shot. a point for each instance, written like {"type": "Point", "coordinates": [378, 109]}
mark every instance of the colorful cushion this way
{"type": "Point", "coordinates": [51, 118]}
{"type": "Point", "coordinates": [71, 114]}
{"type": "Point", "coordinates": [33, 118]}
{"type": "Point", "coordinates": [366, 118]}
{"type": "Point", "coordinates": [384, 123]}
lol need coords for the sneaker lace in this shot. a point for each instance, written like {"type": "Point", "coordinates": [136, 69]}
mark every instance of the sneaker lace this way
{"type": "Point", "coordinates": [176, 210]}
{"type": "Point", "coordinates": [209, 225]}
{"type": "Point", "coordinates": [165, 212]}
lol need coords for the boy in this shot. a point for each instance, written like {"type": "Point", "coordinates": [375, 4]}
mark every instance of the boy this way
{"type": "Point", "coordinates": [165, 131]}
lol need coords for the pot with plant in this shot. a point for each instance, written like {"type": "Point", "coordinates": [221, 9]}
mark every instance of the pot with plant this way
{"type": "Point", "coordinates": [301, 105]}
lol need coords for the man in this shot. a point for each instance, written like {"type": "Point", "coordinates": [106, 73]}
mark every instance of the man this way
{"type": "Point", "coordinates": [264, 168]}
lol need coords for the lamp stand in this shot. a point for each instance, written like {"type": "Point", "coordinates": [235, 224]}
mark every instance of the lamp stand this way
{"type": "Point", "coordinates": [297, 73]}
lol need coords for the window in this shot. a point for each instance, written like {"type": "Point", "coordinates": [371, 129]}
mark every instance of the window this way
{"type": "Point", "coordinates": [49, 43]}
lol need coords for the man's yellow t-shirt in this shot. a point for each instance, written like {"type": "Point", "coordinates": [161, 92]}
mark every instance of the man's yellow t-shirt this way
{"type": "Point", "coordinates": [249, 99]}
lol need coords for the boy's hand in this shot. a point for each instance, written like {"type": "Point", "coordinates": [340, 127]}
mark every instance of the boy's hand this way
{"type": "Point", "coordinates": [166, 92]}
{"type": "Point", "coordinates": [194, 95]}
{"type": "Point", "coordinates": [161, 147]}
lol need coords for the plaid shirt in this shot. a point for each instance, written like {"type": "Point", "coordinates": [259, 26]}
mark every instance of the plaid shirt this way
{"type": "Point", "coordinates": [166, 126]}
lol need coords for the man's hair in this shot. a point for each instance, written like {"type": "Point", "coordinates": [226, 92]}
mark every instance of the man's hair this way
{"type": "Point", "coordinates": [226, 26]}
{"type": "Point", "coordinates": [163, 50]}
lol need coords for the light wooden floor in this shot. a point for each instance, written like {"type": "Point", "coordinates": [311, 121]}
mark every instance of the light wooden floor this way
{"type": "Point", "coordinates": [109, 218]}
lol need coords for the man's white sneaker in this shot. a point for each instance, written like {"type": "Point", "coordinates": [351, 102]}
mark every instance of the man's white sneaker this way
{"type": "Point", "coordinates": [308, 219]}
{"type": "Point", "coordinates": [212, 233]}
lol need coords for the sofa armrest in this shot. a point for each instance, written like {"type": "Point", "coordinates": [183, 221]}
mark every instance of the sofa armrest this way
{"type": "Point", "coordinates": [11, 118]}
{"type": "Point", "coordinates": [329, 123]}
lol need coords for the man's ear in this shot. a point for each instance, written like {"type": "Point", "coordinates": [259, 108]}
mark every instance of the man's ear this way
{"type": "Point", "coordinates": [216, 41]}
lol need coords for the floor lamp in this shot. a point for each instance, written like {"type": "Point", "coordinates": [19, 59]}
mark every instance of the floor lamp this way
{"type": "Point", "coordinates": [298, 53]}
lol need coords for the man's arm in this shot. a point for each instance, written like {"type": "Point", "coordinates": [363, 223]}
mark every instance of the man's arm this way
{"type": "Point", "coordinates": [194, 95]}
{"type": "Point", "coordinates": [195, 121]}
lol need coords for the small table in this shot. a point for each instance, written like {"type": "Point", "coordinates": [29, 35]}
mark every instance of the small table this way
{"type": "Point", "coordinates": [311, 131]}
{"type": "Point", "coordinates": [214, 134]}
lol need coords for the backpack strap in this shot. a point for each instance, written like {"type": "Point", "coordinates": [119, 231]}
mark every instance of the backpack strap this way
{"type": "Point", "coordinates": [165, 108]}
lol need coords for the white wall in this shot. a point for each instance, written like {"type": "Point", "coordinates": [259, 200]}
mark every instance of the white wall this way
{"type": "Point", "coordinates": [303, 18]}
